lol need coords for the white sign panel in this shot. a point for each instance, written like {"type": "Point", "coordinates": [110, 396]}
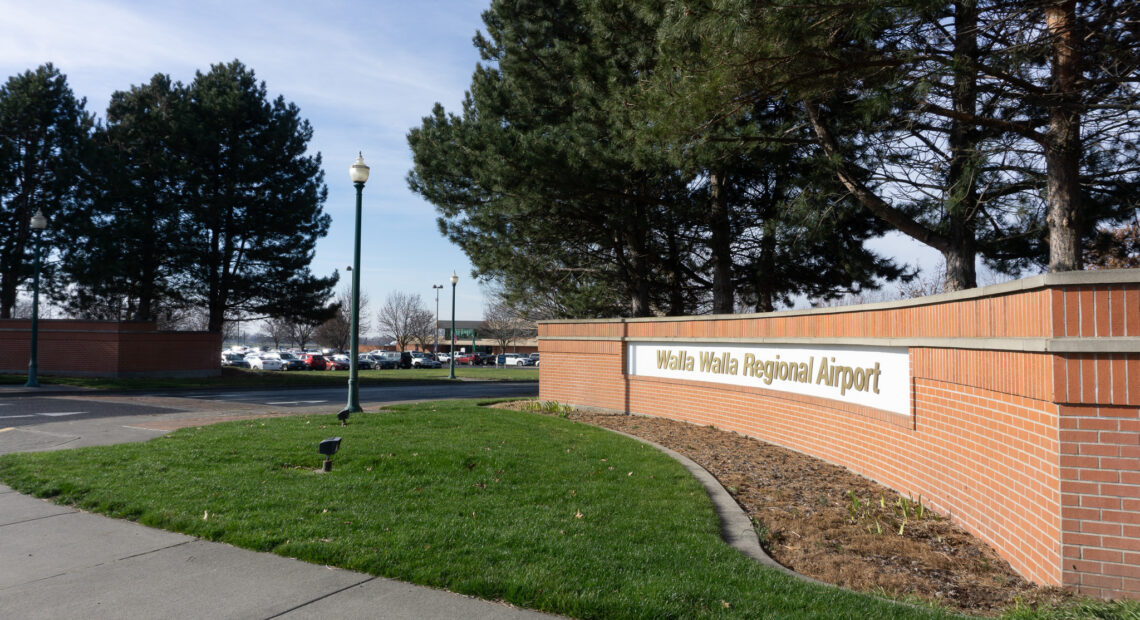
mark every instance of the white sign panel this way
{"type": "Point", "coordinates": [876, 377]}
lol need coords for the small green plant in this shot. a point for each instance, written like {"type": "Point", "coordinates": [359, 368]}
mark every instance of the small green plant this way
{"type": "Point", "coordinates": [895, 516]}
{"type": "Point", "coordinates": [854, 508]}
{"type": "Point", "coordinates": [763, 532]}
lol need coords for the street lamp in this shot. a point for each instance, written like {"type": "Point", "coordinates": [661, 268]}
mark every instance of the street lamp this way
{"type": "Point", "coordinates": [38, 224]}
{"type": "Point", "coordinates": [454, 281]}
{"type": "Point", "coordinates": [358, 172]}
{"type": "Point", "coordinates": [435, 342]}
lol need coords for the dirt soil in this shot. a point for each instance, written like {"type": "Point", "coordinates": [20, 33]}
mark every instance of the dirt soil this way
{"type": "Point", "coordinates": [826, 522]}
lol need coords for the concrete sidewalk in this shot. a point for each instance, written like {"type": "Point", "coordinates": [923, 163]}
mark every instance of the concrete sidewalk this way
{"type": "Point", "coordinates": [57, 562]}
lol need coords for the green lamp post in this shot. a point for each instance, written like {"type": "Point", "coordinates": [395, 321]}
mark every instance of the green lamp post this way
{"type": "Point", "coordinates": [358, 172]}
{"type": "Point", "coordinates": [454, 281]}
{"type": "Point", "coordinates": [38, 224]}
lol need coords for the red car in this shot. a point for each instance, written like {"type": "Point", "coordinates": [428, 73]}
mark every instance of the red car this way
{"type": "Point", "coordinates": [337, 363]}
{"type": "Point", "coordinates": [464, 358]}
{"type": "Point", "coordinates": [315, 361]}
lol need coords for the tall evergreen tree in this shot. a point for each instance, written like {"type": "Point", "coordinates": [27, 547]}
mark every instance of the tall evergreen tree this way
{"type": "Point", "coordinates": [550, 179]}
{"type": "Point", "coordinates": [534, 181]}
{"type": "Point", "coordinates": [44, 132]}
{"type": "Point", "coordinates": [125, 252]}
{"type": "Point", "coordinates": [956, 122]}
{"type": "Point", "coordinates": [254, 210]}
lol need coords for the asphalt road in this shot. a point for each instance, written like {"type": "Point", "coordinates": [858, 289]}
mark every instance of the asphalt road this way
{"type": "Point", "coordinates": [65, 419]}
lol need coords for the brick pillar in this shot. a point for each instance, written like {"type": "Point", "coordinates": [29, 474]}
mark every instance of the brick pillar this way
{"type": "Point", "coordinates": [1100, 500]}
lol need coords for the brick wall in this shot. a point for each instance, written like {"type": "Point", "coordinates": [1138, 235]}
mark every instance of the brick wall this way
{"type": "Point", "coordinates": [108, 349]}
{"type": "Point", "coordinates": [1025, 409]}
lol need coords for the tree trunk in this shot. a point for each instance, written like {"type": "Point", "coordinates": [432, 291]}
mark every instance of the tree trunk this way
{"type": "Point", "coordinates": [676, 272]}
{"type": "Point", "coordinates": [639, 285]}
{"type": "Point", "coordinates": [961, 183]}
{"type": "Point", "coordinates": [13, 263]}
{"type": "Point", "coordinates": [720, 227]}
{"type": "Point", "coordinates": [961, 265]}
{"type": "Point", "coordinates": [1063, 141]}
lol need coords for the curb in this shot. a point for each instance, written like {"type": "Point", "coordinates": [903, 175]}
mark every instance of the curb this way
{"type": "Point", "coordinates": [735, 525]}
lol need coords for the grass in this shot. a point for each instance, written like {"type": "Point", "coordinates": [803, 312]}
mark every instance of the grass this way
{"type": "Point", "coordinates": [241, 377]}
{"type": "Point", "coordinates": [535, 510]}
{"type": "Point", "coordinates": [1079, 610]}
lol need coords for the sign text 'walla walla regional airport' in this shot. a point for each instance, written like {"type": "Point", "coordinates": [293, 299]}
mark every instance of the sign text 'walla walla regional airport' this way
{"type": "Point", "coordinates": [870, 376]}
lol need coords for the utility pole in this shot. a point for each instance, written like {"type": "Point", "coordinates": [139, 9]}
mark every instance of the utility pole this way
{"type": "Point", "coordinates": [435, 344]}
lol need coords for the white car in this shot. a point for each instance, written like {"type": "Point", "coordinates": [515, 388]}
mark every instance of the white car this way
{"type": "Point", "coordinates": [265, 362]}
{"type": "Point", "coordinates": [421, 360]}
{"type": "Point", "coordinates": [514, 359]}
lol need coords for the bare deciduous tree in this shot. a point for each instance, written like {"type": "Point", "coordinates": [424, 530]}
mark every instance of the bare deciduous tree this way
{"type": "Point", "coordinates": [505, 324]}
{"type": "Point", "coordinates": [279, 330]}
{"type": "Point", "coordinates": [422, 328]}
{"type": "Point", "coordinates": [335, 332]}
{"type": "Point", "coordinates": [301, 332]}
{"type": "Point", "coordinates": [400, 315]}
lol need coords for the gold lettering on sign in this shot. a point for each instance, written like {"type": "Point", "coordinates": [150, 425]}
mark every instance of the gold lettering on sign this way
{"type": "Point", "coordinates": [767, 371]}
{"type": "Point", "coordinates": [848, 377]}
{"type": "Point", "coordinates": [724, 364]}
{"type": "Point", "coordinates": [675, 361]}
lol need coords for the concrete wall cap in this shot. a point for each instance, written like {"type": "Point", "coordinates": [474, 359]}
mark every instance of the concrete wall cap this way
{"type": "Point", "coordinates": [1100, 277]}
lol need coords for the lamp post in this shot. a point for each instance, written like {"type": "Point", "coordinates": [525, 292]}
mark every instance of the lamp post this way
{"type": "Point", "coordinates": [358, 172]}
{"type": "Point", "coordinates": [38, 224]}
{"type": "Point", "coordinates": [454, 281]}
{"type": "Point", "coordinates": [435, 341]}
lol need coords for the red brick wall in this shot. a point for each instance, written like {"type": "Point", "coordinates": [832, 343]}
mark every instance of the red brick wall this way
{"type": "Point", "coordinates": [106, 349]}
{"type": "Point", "coordinates": [1025, 424]}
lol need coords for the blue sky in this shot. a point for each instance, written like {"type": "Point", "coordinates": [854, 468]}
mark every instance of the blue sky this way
{"type": "Point", "coordinates": [362, 73]}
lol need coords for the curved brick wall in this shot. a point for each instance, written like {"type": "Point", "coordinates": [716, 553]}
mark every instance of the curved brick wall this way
{"type": "Point", "coordinates": [1025, 409]}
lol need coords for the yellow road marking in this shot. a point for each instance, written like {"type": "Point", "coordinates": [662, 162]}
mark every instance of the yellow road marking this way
{"type": "Point", "coordinates": [10, 428]}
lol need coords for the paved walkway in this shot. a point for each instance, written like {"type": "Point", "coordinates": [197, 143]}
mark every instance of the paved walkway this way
{"type": "Point", "coordinates": [57, 562]}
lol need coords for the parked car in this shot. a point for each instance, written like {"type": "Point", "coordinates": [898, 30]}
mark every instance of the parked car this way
{"type": "Point", "coordinates": [385, 360]}
{"type": "Point", "coordinates": [464, 358]}
{"type": "Point", "coordinates": [265, 361]}
{"type": "Point", "coordinates": [363, 362]}
{"type": "Point", "coordinates": [484, 359]}
{"type": "Point", "coordinates": [513, 359]}
{"type": "Point", "coordinates": [315, 361]}
{"type": "Point", "coordinates": [292, 362]}
{"type": "Point", "coordinates": [534, 356]}
{"type": "Point", "coordinates": [443, 358]}
{"type": "Point", "coordinates": [422, 360]}
{"type": "Point", "coordinates": [237, 360]}
{"type": "Point", "coordinates": [337, 362]}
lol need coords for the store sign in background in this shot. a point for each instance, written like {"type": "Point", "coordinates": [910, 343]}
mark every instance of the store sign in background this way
{"type": "Point", "coordinates": [876, 377]}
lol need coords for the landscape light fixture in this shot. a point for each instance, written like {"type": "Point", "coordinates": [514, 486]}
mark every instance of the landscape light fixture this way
{"type": "Point", "coordinates": [358, 172]}
{"type": "Point", "coordinates": [451, 364]}
{"type": "Point", "coordinates": [38, 223]}
{"type": "Point", "coordinates": [328, 447]}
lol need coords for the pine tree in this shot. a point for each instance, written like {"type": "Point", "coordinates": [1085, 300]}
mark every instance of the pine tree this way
{"type": "Point", "coordinates": [956, 122]}
{"type": "Point", "coordinates": [537, 181]}
{"type": "Point", "coordinates": [44, 132]}
{"type": "Point", "coordinates": [126, 245]}
{"type": "Point", "coordinates": [254, 202]}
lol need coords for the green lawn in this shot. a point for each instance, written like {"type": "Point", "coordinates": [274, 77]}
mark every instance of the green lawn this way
{"type": "Point", "coordinates": [535, 510]}
{"type": "Point", "coordinates": [240, 377]}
